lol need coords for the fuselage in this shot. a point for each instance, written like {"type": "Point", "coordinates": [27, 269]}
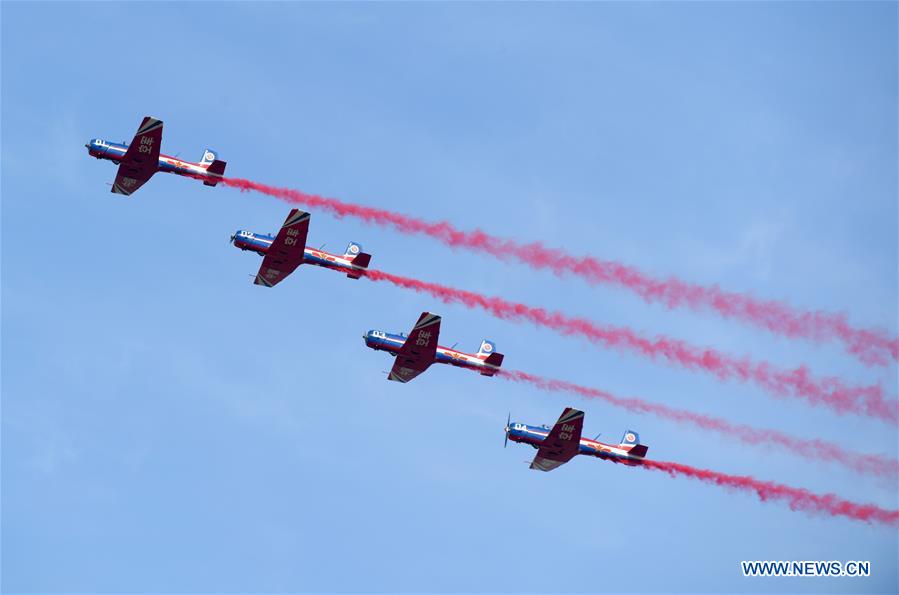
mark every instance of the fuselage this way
{"type": "Point", "coordinates": [114, 152]}
{"type": "Point", "coordinates": [534, 435]}
{"type": "Point", "coordinates": [260, 243]}
{"type": "Point", "coordinates": [391, 343]}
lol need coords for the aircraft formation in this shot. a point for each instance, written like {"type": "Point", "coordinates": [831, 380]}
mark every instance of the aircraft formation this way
{"type": "Point", "coordinates": [413, 354]}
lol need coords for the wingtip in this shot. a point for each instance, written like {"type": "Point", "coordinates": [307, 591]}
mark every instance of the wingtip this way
{"type": "Point", "coordinates": [260, 280]}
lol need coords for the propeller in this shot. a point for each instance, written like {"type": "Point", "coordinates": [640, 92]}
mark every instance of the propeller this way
{"type": "Point", "coordinates": [233, 237]}
{"type": "Point", "coordinates": [508, 421]}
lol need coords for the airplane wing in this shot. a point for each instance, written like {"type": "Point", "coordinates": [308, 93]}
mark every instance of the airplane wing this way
{"type": "Point", "coordinates": [419, 350]}
{"type": "Point", "coordinates": [286, 252]}
{"type": "Point", "coordinates": [562, 443]}
{"type": "Point", "coordinates": [141, 159]}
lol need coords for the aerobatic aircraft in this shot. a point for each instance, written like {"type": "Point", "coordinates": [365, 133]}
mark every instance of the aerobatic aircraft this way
{"type": "Point", "coordinates": [141, 159]}
{"type": "Point", "coordinates": [287, 250]}
{"type": "Point", "coordinates": [415, 353]}
{"type": "Point", "coordinates": [558, 445]}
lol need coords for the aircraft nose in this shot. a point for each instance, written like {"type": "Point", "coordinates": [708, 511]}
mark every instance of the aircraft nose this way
{"type": "Point", "coordinates": [508, 428]}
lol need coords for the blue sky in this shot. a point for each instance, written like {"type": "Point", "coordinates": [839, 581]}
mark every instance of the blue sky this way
{"type": "Point", "coordinates": [168, 426]}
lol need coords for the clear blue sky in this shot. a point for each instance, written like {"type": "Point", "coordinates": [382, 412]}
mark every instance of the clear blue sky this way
{"type": "Point", "coordinates": [169, 426]}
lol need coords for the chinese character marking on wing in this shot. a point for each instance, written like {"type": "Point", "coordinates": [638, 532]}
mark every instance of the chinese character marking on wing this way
{"type": "Point", "coordinates": [424, 338]}
{"type": "Point", "coordinates": [146, 144]}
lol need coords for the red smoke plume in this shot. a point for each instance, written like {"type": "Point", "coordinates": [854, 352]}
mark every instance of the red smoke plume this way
{"type": "Point", "coordinates": [798, 382]}
{"type": "Point", "coordinates": [871, 346]}
{"type": "Point", "coordinates": [798, 498]}
{"type": "Point", "coordinates": [818, 450]}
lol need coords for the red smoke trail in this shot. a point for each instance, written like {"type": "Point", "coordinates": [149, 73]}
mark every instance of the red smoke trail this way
{"type": "Point", "coordinates": [871, 346]}
{"type": "Point", "coordinates": [798, 498]}
{"type": "Point", "coordinates": [818, 450]}
{"type": "Point", "coordinates": [798, 382]}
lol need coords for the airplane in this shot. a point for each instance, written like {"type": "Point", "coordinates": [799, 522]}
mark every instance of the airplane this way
{"type": "Point", "coordinates": [141, 159]}
{"type": "Point", "coordinates": [284, 252]}
{"type": "Point", "coordinates": [415, 353]}
{"type": "Point", "coordinates": [559, 444]}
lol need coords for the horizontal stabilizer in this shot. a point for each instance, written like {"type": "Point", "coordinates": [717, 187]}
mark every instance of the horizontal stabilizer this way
{"type": "Point", "coordinates": [639, 450]}
{"type": "Point", "coordinates": [494, 359]}
{"type": "Point", "coordinates": [361, 260]}
{"type": "Point", "coordinates": [216, 168]}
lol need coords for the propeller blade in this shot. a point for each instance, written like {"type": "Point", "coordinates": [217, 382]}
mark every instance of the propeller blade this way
{"type": "Point", "coordinates": [508, 421]}
{"type": "Point", "coordinates": [233, 237]}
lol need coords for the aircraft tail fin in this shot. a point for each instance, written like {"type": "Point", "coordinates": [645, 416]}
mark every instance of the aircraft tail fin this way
{"type": "Point", "coordinates": [488, 354]}
{"type": "Point", "coordinates": [487, 347]}
{"type": "Point", "coordinates": [359, 258]}
{"type": "Point", "coordinates": [216, 168]}
{"type": "Point", "coordinates": [352, 251]}
{"type": "Point", "coordinates": [631, 443]}
{"type": "Point", "coordinates": [209, 155]}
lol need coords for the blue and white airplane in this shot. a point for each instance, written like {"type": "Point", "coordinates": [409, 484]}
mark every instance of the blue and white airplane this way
{"type": "Point", "coordinates": [284, 252]}
{"type": "Point", "coordinates": [415, 353]}
{"type": "Point", "coordinates": [559, 444]}
{"type": "Point", "coordinates": [141, 159]}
